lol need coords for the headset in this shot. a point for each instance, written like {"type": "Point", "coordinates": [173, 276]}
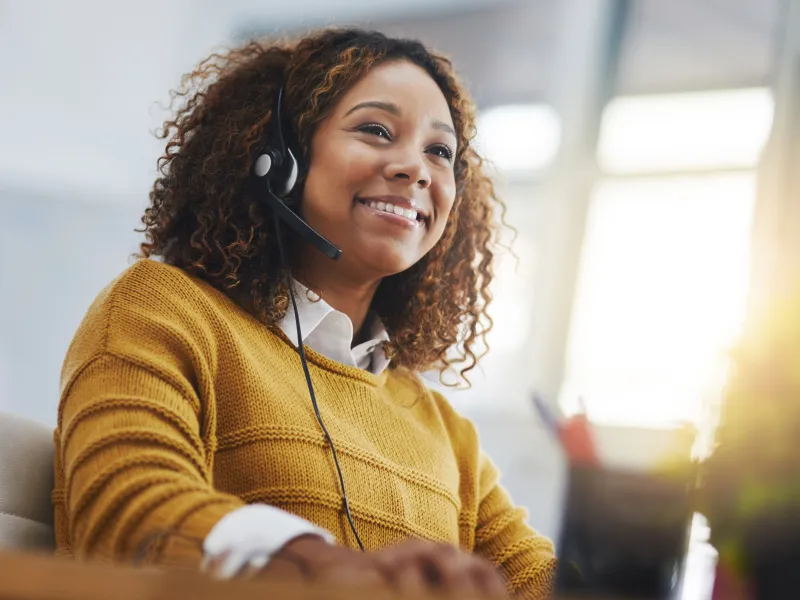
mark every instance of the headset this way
{"type": "Point", "coordinates": [275, 173]}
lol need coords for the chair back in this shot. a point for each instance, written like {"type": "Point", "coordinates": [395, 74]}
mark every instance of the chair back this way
{"type": "Point", "coordinates": [26, 485]}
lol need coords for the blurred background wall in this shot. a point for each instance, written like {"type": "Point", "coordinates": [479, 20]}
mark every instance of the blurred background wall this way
{"type": "Point", "coordinates": [628, 138]}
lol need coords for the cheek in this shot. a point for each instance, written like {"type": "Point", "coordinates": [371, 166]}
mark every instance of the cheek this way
{"type": "Point", "coordinates": [341, 170]}
{"type": "Point", "coordinates": [438, 231]}
{"type": "Point", "coordinates": [324, 186]}
{"type": "Point", "coordinates": [446, 206]}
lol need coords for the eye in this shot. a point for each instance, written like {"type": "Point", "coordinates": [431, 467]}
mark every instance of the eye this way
{"type": "Point", "coordinates": [443, 151]}
{"type": "Point", "coordinates": [377, 130]}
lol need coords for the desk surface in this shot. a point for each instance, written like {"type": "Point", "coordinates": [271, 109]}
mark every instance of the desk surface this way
{"type": "Point", "coordinates": [42, 577]}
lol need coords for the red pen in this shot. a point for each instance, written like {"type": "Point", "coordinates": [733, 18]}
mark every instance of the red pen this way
{"type": "Point", "coordinates": [574, 434]}
{"type": "Point", "coordinates": [576, 439]}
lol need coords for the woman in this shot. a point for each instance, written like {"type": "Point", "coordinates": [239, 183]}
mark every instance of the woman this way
{"type": "Point", "coordinates": [185, 415]}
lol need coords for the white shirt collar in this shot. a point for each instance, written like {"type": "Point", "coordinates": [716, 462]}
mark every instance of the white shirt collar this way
{"type": "Point", "coordinates": [330, 332]}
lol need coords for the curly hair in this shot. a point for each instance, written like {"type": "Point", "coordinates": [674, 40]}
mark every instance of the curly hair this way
{"type": "Point", "coordinates": [204, 219]}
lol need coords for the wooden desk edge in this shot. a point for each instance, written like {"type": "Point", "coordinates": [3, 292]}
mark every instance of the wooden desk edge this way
{"type": "Point", "coordinates": [44, 577]}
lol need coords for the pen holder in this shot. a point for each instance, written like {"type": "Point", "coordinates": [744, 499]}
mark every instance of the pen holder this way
{"type": "Point", "coordinates": [624, 534]}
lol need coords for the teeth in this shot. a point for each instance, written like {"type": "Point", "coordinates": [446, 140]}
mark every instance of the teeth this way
{"type": "Point", "coordinates": [408, 213]}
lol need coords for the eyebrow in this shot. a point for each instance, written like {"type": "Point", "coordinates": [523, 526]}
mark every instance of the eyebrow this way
{"type": "Point", "coordinates": [393, 109]}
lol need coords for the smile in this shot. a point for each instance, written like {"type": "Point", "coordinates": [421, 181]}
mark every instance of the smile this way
{"type": "Point", "coordinates": [398, 214]}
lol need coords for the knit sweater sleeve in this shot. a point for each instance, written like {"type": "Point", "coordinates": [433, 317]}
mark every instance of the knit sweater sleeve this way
{"type": "Point", "coordinates": [496, 528]}
{"type": "Point", "coordinates": [503, 536]}
{"type": "Point", "coordinates": [135, 433]}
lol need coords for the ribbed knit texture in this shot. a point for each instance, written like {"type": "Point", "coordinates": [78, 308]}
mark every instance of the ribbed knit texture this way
{"type": "Point", "coordinates": [177, 406]}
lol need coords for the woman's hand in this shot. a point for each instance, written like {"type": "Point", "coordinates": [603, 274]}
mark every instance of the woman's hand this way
{"type": "Point", "coordinates": [413, 567]}
{"type": "Point", "coordinates": [416, 566]}
{"type": "Point", "coordinates": [313, 559]}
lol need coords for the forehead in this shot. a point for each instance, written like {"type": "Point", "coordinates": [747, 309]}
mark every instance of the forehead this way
{"type": "Point", "coordinates": [402, 83]}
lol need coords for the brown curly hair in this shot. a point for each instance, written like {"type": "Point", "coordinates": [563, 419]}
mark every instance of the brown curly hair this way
{"type": "Point", "coordinates": [203, 218]}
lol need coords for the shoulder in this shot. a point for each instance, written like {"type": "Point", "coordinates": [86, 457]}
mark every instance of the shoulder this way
{"type": "Point", "coordinates": [149, 289]}
{"type": "Point", "coordinates": [149, 282]}
{"type": "Point", "coordinates": [433, 405]}
{"type": "Point", "coordinates": [150, 305]}
{"type": "Point", "coordinates": [461, 428]}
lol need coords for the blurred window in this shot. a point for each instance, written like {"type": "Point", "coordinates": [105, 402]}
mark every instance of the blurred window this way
{"type": "Point", "coordinates": [519, 138]}
{"type": "Point", "coordinates": [697, 131]}
{"type": "Point", "coordinates": [663, 282]}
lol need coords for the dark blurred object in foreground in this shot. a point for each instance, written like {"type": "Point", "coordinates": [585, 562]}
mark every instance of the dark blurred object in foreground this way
{"type": "Point", "coordinates": [750, 485]}
{"type": "Point", "coordinates": [776, 571]}
{"type": "Point", "coordinates": [762, 563]}
{"type": "Point", "coordinates": [625, 534]}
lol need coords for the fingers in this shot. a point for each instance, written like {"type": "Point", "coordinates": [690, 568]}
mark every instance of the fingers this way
{"type": "Point", "coordinates": [446, 568]}
{"type": "Point", "coordinates": [410, 582]}
{"type": "Point", "coordinates": [488, 580]}
{"type": "Point", "coordinates": [355, 572]}
{"type": "Point", "coordinates": [324, 563]}
{"type": "Point", "coordinates": [417, 566]}
{"type": "Point", "coordinates": [413, 568]}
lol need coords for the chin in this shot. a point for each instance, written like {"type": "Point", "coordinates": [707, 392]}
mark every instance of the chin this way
{"type": "Point", "coordinates": [389, 266]}
{"type": "Point", "coordinates": [381, 256]}
{"type": "Point", "coordinates": [386, 262]}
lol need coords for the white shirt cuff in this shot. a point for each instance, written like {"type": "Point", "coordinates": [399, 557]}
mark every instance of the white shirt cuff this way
{"type": "Point", "coordinates": [252, 535]}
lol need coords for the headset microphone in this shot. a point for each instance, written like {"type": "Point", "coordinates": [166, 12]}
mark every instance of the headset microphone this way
{"type": "Point", "coordinates": [275, 173]}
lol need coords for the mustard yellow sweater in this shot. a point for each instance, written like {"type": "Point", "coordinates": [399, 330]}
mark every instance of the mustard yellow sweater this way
{"type": "Point", "coordinates": [177, 407]}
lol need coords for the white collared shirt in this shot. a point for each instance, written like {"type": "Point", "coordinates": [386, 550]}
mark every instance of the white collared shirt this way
{"type": "Point", "coordinates": [330, 332]}
{"type": "Point", "coordinates": [249, 535]}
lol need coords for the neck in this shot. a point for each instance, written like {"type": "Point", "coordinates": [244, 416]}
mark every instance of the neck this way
{"type": "Point", "coordinates": [349, 295]}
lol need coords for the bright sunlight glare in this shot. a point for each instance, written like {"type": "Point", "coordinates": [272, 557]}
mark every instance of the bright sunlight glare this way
{"type": "Point", "coordinates": [687, 131]}
{"type": "Point", "coordinates": [661, 296]}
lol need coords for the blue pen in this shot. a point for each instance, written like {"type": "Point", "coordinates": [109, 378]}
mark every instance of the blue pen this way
{"type": "Point", "coordinates": [548, 417]}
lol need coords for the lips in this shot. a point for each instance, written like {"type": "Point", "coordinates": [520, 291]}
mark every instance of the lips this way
{"type": "Point", "coordinates": [400, 207]}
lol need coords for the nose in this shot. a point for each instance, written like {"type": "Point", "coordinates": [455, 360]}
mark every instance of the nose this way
{"type": "Point", "coordinates": [409, 166]}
